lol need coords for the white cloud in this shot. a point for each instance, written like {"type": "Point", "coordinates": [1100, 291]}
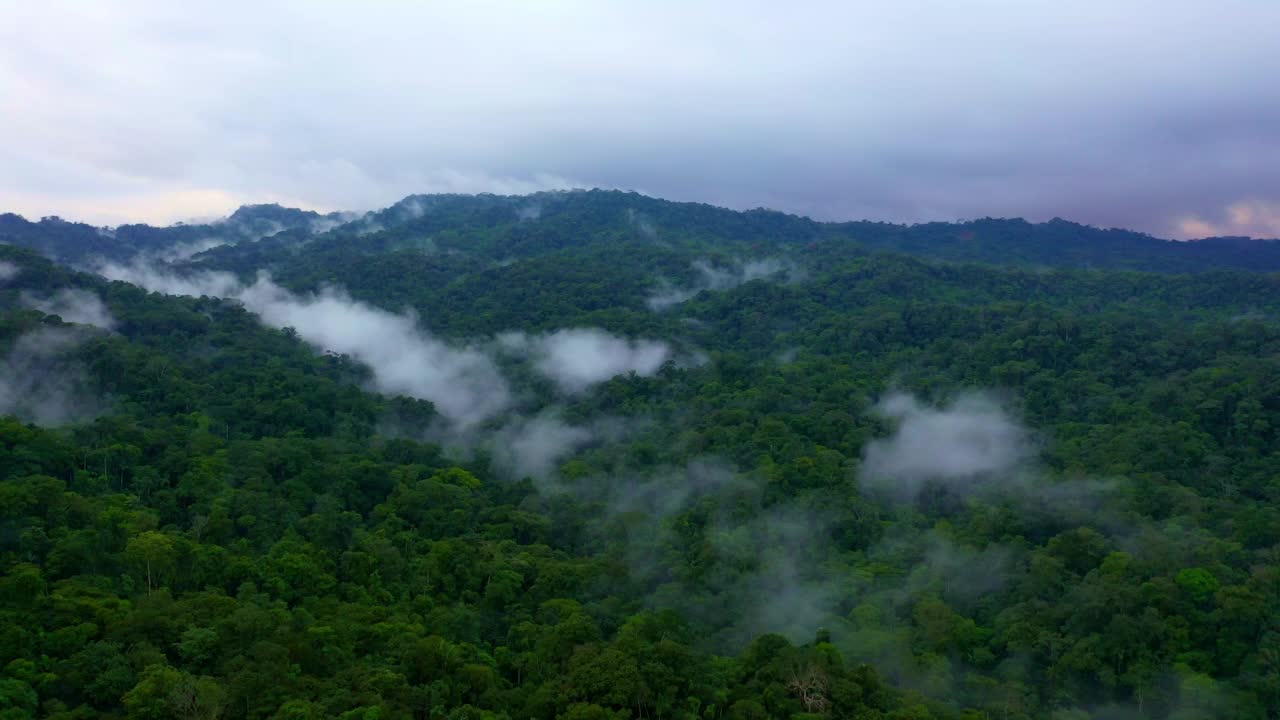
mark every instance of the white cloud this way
{"type": "Point", "coordinates": [462, 382]}
{"type": "Point", "coordinates": [966, 442]}
{"type": "Point", "coordinates": [184, 251]}
{"type": "Point", "coordinates": [577, 358]}
{"type": "Point", "coordinates": [906, 111]}
{"type": "Point", "coordinates": [40, 383]}
{"type": "Point", "coordinates": [1249, 218]}
{"type": "Point", "coordinates": [719, 279]}
{"type": "Point", "coordinates": [73, 305]}
{"type": "Point", "coordinates": [531, 447]}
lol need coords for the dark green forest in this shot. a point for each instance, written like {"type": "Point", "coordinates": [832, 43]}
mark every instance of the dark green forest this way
{"type": "Point", "coordinates": [598, 456]}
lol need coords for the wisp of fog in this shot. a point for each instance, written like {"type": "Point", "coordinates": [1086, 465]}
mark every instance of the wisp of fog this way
{"type": "Point", "coordinates": [73, 305]}
{"type": "Point", "coordinates": [577, 358]}
{"type": "Point", "coordinates": [968, 440]}
{"type": "Point", "coordinates": [719, 279]}
{"type": "Point", "coordinates": [40, 383]}
{"type": "Point", "coordinates": [462, 382]}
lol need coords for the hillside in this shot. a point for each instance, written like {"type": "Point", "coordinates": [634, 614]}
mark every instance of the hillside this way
{"type": "Point", "coordinates": [597, 455]}
{"type": "Point", "coordinates": [75, 242]}
{"type": "Point", "coordinates": [501, 227]}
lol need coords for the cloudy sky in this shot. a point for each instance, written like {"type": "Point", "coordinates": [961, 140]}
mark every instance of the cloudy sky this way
{"type": "Point", "coordinates": [1160, 115]}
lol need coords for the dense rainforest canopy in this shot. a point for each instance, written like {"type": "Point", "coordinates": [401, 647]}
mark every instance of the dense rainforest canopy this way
{"type": "Point", "coordinates": [594, 455]}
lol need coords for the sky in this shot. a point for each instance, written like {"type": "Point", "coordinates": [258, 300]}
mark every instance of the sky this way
{"type": "Point", "coordinates": [1156, 115]}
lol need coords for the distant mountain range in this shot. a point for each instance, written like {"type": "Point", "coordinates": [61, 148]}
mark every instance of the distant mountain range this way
{"type": "Point", "coordinates": [531, 225]}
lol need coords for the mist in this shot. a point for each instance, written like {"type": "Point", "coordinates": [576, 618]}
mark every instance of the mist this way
{"type": "Point", "coordinates": [960, 445]}
{"type": "Point", "coordinates": [529, 211]}
{"type": "Point", "coordinates": [532, 446]}
{"type": "Point", "coordinates": [718, 279]}
{"type": "Point", "coordinates": [41, 383]}
{"type": "Point", "coordinates": [73, 305]}
{"type": "Point", "coordinates": [577, 358]}
{"type": "Point", "coordinates": [462, 382]}
{"type": "Point", "coordinates": [761, 567]}
{"type": "Point", "coordinates": [156, 278]}
{"type": "Point", "coordinates": [183, 250]}
{"type": "Point", "coordinates": [8, 271]}
{"type": "Point", "coordinates": [322, 225]}
{"type": "Point", "coordinates": [411, 208]}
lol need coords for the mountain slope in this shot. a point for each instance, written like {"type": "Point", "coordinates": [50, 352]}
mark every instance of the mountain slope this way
{"type": "Point", "coordinates": [73, 242]}
{"type": "Point", "coordinates": [611, 457]}
{"type": "Point", "coordinates": [502, 227]}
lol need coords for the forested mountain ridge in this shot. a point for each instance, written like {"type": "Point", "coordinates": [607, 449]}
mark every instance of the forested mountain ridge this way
{"type": "Point", "coordinates": [75, 242]}
{"type": "Point", "coordinates": [594, 455]}
{"type": "Point", "coordinates": [502, 226]}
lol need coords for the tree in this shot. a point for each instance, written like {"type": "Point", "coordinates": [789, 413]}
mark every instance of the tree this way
{"type": "Point", "coordinates": [153, 553]}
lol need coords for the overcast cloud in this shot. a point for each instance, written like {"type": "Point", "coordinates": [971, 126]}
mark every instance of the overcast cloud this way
{"type": "Point", "coordinates": [1153, 114]}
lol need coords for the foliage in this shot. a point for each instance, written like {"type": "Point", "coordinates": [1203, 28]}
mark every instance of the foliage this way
{"type": "Point", "coordinates": [242, 531]}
